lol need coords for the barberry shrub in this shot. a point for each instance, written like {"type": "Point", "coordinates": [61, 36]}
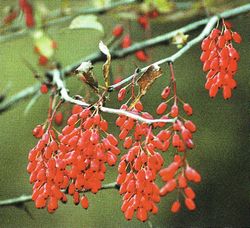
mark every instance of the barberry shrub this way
{"type": "Point", "coordinates": [73, 161]}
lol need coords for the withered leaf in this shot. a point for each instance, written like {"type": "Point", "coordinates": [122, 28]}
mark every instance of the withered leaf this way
{"type": "Point", "coordinates": [106, 66]}
{"type": "Point", "coordinates": [86, 75]}
{"type": "Point", "coordinates": [147, 78]}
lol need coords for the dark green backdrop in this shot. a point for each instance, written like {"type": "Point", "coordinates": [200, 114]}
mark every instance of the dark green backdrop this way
{"type": "Point", "coordinates": [222, 139]}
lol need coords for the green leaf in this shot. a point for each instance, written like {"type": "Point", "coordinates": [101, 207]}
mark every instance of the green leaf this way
{"type": "Point", "coordinates": [86, 22]}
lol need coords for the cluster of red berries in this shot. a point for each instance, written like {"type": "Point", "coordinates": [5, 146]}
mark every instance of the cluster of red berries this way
{"type": "Point", "coordinates": [181, 131]}
{"type": "Point", "coordinates": [72, 162]}
{"type": "Point", "coordinates": [220, 59]}
{"type": "Point", "coordinates": [126, 42]}
{"type": "Point", "coordinates": [27, 9]}
{"type": "Point", "coordinates": [179, 135]}
{"type": "Point", "coordinates": [138, 168]}
{"type": "Point", "coordinates": [176, 176]}
{"type": "Point", "coordinates": [143, 19]}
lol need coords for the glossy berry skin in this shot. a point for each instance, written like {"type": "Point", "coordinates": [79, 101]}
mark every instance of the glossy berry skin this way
{"type": "Point", "coordinates": [121, 94]}
{"type": "Point", "coordinates": [75, 159]}
{"type": "Point", "coordinates": [126, 42]}
{"type": "Point", "coordinates": [143, 21]}
{"type": "Point", "coordinates": [44, 89]}
{"type": "Point", "coordinates": [141, 55]}
{"type": "Point", "coordinates": [176, 206]}
{"type": "Point", "coordinates": [43, 60]}
{"type": "Point", "coordinates": [58, 118]}
{"type": "Point", "coordinates": [117, 31]}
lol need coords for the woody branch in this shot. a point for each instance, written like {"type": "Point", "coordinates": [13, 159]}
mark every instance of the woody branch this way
{"type": "Point", "coordinates": [57, 80]}
{"type": "Point", "coordinates": [59, 17]}
{"type": "Point", "coordinates": [120, 53]}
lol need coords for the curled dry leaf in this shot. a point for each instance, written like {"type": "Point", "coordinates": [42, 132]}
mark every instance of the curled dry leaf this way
{"type": "Point", "coordinates": [106, 66]}
{"type": "Point", "coordinates": [86, 75]}
{"type": "Point", "coordinates": [147, 78]}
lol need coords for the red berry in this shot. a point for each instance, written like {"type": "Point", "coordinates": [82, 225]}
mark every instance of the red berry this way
{"type": "Point", "coordinates": [38, 131]}
{"type": "Point", "coordinates": [236, 37]}
{"type": "Point", "coordinates": [143, 21]}
{"type": "Point", "coordinates": [84, 202]}
{"type": "Point", "coordinates": [174, 111]}
{"type": "Point", "coordinates": [162, 107]}
{"type": "Point", "coordinates": [117, 30]}
{"type": "Point", "coordinates": [188, 109]}
{"type": "Point", "coordinates": [126, 42]}
{"type": "Point", "coordinates": [190, 204]}
{"type": "Point", "coordinates": [141, 55]}
{"type": "Point", "coordinates": [58, 118]}
{"type": "Point", "coordinates": [189, 193]}
{"type": "Point", "coordinates": [44, 89]}
{"type": "Point", "coordinates": [117, 80]}
{"type": "Point", "coordinates": [176, 206]}
{"type": "Point", "coordinates": [165, 92]}
{"type": "Point", "coordinates": [122, 94]}
{"type": "Point", "coordinates": [43, 60]}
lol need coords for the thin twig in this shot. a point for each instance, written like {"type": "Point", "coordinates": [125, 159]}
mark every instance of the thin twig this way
{"type": "Point", "coordinates": [27, 198]}
{"type": "Point", "coordinates": [210, 25]}
{"type": "Point", "coordinates": [65, 18]}
{"type": "Point", "coordinates": [57, 81]}
{"type": "Point", "coordinates": [120, 53]}
{"type": "Point", "coordinates": [29, 91]}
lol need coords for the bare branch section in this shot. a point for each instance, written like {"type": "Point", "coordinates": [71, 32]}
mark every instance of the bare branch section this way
{"type": "Point", "coordinates": [27, 198]}
{"type": "Point", "coordinates": [120, 53]}
{"type": "Point", "coordinates": [61, 18]}
{"type": "Point", "coordinates": [27, 92]}
{"type": "Point", "coordinates": [210, 23]}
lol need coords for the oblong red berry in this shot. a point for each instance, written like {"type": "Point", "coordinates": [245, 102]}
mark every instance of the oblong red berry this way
{"type": "Point", "coordinates": [176, 206]}
{"type": "Point", "coordinates": [165, 92]}
{"type": "Point", "coordinates": [121, 94]}
{"type": "Point", "coordinates": [236, 37]}
{"type": "Point", "coordinates": [188, 109]}
{"type": "Point", "coordinates": [190, 204]}
{"type": "Point", "coordinates": [162, 107]}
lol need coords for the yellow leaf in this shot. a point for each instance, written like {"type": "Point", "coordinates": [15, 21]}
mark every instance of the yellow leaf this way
{"type": "Point", "coordinates": [106, 66]}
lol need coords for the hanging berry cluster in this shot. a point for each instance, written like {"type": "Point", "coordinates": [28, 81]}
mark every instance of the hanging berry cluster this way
{"type": "Point", "coordinates": [179, 135]}
{"type": "Point", "coordinates": [220, 59]}
{"type": "Point", "coordinates": [73, 161]}
{"type": "Point", "coordinates": [144, 21]}
{"type": "Point", "coordinates": [139, 168]}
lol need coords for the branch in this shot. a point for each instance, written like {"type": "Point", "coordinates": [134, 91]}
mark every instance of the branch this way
{"type": "Point", "coordinates": [27, 198]}
{"type": "Point", "coordinates": [57, 80]}
{"type": "Point", "coordinates": [120, 53]}
{"type": "Point", "coordinates": [75, 12]}
{"type": "Point", "coordinates": [210, 25]}
{"type": "Point", "coordinates": [29, 91]}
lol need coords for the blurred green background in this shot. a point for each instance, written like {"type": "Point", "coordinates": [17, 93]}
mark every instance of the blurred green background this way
{"type": "Point", "coordinates": [222, 140]}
